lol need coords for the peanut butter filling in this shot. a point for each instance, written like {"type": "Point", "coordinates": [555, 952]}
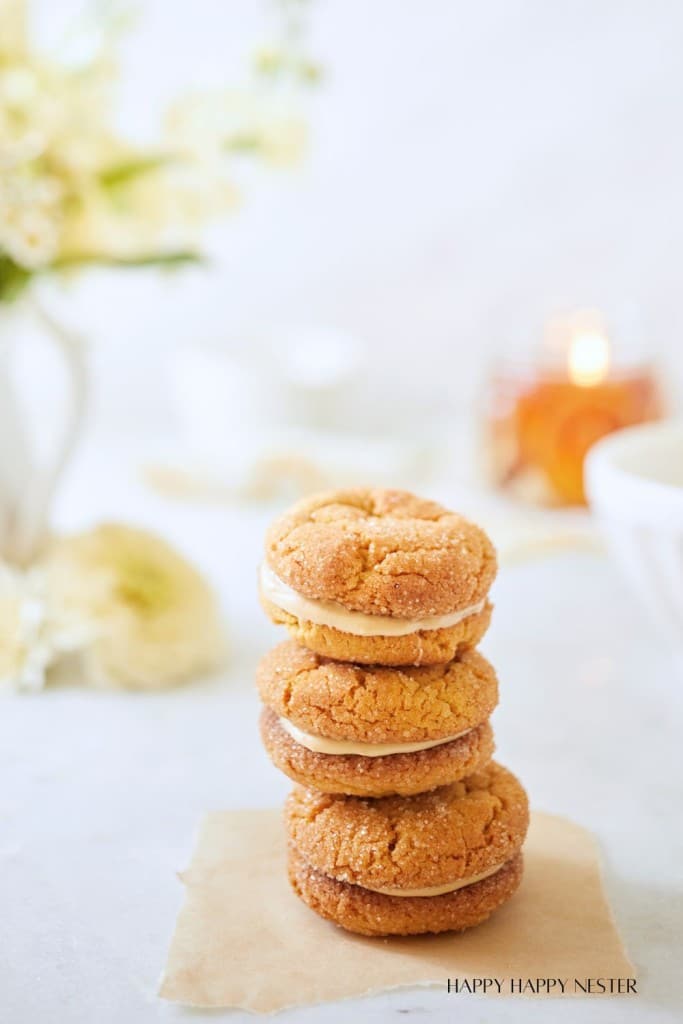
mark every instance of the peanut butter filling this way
{"type": "Point", "coordinates": [334, 615]}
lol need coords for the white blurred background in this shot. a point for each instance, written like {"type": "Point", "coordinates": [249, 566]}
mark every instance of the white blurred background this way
{"type": "Point", "coordinates": [471, 167]}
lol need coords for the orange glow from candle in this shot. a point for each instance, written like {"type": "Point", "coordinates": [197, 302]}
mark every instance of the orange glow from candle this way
{"type": "Point", "coordinates": [544, 419]}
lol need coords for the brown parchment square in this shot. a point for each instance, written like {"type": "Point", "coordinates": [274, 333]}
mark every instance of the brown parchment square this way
{"type": "Point", "coordinates": [244, 940]}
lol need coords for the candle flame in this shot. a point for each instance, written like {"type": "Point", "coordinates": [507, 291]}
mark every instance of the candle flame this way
{"type": "Point", "coordinates": [588, 358]}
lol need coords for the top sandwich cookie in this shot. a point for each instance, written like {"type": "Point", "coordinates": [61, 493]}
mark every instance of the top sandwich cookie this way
{"type": "Point", "coordinates": [378, 577]}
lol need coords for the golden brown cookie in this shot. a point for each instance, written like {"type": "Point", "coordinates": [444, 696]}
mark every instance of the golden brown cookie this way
{"type": "Point", "coordinates": [372, 913]}
{"type": "Point", "coordinates": [359, 861]}
{"type": "Point", "coordinates": [378, 576]}
{"type": "Point", "coordinates": [381, 552]}
{"type": "Point", "coordinates": [430, 839]}
{"type": "Point", "coordinates": [376, 704]}
{"type": "Point", "coordinates": [358, 775]}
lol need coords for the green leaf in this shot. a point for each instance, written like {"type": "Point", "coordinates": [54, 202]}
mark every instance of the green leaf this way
{"type": "Point", "coordinates": [244, 143]}
{"type": "Point", "coordinates": [128, 170]}
{"type": "Point", "coordinates": [13, 278]}
{"type": "Point", "coordinates": [176, 258]}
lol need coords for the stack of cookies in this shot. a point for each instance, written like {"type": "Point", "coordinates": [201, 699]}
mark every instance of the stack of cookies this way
{"type": "Point", "coordinates": [378, 708]}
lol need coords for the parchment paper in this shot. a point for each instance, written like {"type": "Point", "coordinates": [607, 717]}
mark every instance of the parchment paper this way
{"type": "Point", "coordinates": [244, 940]}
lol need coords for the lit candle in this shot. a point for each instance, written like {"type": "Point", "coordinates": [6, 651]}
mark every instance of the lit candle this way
{"type": "Point", "coordinates": [589, 358]}
{"type": "Point", "coordinates": [543, 419]}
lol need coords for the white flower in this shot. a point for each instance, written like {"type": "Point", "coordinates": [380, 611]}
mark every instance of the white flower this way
{"type": "Point", "coordinates": [210, 125]}
{"type": "Point", "coordinates": [155, 620]}
{"type": "Point", "coordinates": [30, 218]}
{"type": "Point", "coordinates": [35, 628]}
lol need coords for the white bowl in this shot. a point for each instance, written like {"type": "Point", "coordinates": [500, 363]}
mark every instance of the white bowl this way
{"type": "Point", "coordinates": [634, 482]}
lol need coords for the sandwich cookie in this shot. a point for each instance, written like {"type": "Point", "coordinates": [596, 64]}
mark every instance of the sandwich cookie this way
{"type": "Point", "coordinates": [439, 861]}
{"type": "Point", "coordinates": [378, 577]}
{"type": "Point", "coordinates": [374, 731]}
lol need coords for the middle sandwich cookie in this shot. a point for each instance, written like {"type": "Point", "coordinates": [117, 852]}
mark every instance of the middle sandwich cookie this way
{"type": "Point", "coordinates": [372, 730]}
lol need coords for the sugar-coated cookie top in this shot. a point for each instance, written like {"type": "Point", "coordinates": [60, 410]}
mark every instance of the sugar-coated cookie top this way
{"type": "Point", "coordinates": [373, 704]}
{"type": "Point", "coordinates": [381, 552]}
{"type": "Point", "coordinates": [457, 831]}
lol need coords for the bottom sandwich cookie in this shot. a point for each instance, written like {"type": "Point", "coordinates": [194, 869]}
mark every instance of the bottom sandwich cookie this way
{"type": "Point", "coordinates": [439, 861]}
{"type": "Point", "coordinates": [374, 913]}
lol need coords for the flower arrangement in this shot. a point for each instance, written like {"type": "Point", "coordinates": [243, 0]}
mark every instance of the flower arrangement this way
{"type": "Point", "coordinates": [74, 192]}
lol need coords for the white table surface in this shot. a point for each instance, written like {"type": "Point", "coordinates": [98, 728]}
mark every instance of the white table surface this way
{"type": "Point", "coordinates": [101, 793]}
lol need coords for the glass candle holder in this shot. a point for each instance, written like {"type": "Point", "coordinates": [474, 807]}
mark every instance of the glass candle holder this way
{"type": "Point", "coordinates": [543, 414]}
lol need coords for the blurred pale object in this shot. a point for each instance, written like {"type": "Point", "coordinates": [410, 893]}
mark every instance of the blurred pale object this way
{"type": "Point", "coordinates": [154, 621]}
{"type": "Point", "coordinates": [270, 416]}
{"type": "Point", "coordinates": [42, 404]}
{"type": "Point", "coordinates": [117, 604]}
{"type": "Point", "coordinates": [291, 377]}
{"type": "Point", "coordinates": [542, 417]}
{"type": "Point", "coordinates": [634, 482]}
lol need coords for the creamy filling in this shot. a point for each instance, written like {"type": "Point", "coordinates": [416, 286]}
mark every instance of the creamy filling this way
{"type": "Point", "coordinates": [333, 614]}
{"type": "Point", "coordinates": [439, 890]}
{"type": "Point", "coordinates": [322, 745]}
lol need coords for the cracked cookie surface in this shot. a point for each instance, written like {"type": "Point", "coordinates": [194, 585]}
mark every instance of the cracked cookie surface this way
{"type": "Point", "coordinates": [376, 704]}
{"type": "Point", "coordinates": [382, 552]}
{"type": "Point", "coordinates": [371, 913]}
{"type": "Point", "coordinates": [451, 833]}
{"type": "Point", "coordinates": [354, 774]}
